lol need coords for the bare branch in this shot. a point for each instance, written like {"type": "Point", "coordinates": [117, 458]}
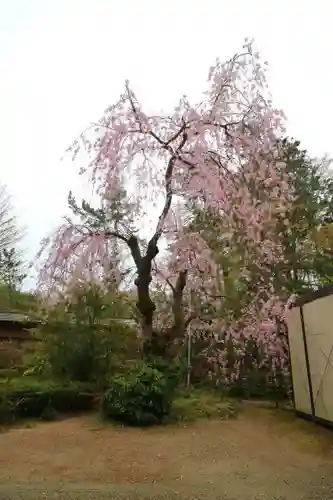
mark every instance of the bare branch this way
{"type": "Point", "coordinates": [168, 188]}
{"type": "Point", "coordinates": [157, 271]}
{"type": "Point", "coordinates": [107, 234]}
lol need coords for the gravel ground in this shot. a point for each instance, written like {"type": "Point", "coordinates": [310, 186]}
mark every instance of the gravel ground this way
{"type": "Point", "coordinates": [88, 492]}
{"type": "Point", "coordinates": [263, 455]}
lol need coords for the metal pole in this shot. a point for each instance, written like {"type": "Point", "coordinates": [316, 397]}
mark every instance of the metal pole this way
{"type": "Point", "coordinates": [189, 342]}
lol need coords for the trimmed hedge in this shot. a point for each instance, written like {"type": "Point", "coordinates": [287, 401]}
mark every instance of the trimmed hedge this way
{"type": "Point", "coordinates": [24, 397]}
{"type": "Point", "coordinates": [13, 372]}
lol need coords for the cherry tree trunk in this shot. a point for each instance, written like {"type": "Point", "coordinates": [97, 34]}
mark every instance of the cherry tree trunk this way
{"type": "Point", "coordinates": [144, 304]}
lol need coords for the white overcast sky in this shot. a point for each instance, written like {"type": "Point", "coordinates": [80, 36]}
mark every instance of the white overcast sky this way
{"type": "Point", "coordinates": [62, 62]}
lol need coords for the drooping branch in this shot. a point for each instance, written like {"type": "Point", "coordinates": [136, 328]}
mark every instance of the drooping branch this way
{"type": "Point", "coordinates": [214, 154]}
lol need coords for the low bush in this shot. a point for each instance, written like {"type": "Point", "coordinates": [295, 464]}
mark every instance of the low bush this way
{"type": "Point", "coordinates": [6, 410]}
{"type": "Point", "coordinates": [14, 371]}
{"type": "Point", "coordinates": [196, 403]}
{"type": "Point", "coordinates": [49, 413]}
{"type": "Point", "coordinates": [256, 386]}
{"type": "Point", "coordinates": [142, 397]}
{"type": "Point", "coordinates": [175, 371]}
{"type": "Point", "coordinates": [33, 398]}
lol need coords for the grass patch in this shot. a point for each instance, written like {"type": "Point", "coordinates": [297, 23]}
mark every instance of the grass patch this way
{"type": "Point", "coordinates": [196, 404]}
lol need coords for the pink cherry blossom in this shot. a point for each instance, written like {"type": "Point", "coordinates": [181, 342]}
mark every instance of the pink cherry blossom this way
{"type": "Point", "coordinates": [220, 154]}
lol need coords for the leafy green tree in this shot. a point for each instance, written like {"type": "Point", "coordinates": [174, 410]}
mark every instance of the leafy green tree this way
{"type": "Point", "coordinates": [117, 214]}
{"type": "Point", "coordinates": [11, 269]}
{"type": "Point", "coordinates": [307, 240]}
{"type": "Point", "coordinates": [11, 278]}
{"type": "Point", "coordinates": [11, 264]}
{"type": "Point", "coordinates": [10, 232]}
{"type": "Point", "coordinates": [84, 338]}
{"type": "Point", "coordinates": [308, 259]}
{"type": "Point", "coordinates": [18, 301]}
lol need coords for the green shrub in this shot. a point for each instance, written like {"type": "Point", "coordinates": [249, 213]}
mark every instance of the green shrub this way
{"type": "Point", "coordinates": [14, 371]}
{"type": "Point", "coordinates": [37, 365]}
{"type": "Point", "coordinates": [174, 372]}
{"type": "Point", "coordinates": [49, 414]}
{"type": "Point", "coordinates": [256, 385]}
{"type": "Point", "coordinates": [6, 409]}
{"type": "Point", "coordinates": [10, 355]}
{"type": "Point", "coordinates": [33, 398]}
{"type": "Point", "coordinates": [195, 404]}
{"type": "Point", "coordinates": [143, 397]}
{"type": "Point", "coordinates": [82, 340]}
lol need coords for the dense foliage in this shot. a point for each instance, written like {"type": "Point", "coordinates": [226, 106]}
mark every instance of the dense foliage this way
{"type": "Point", "coordinates": [33, 398]}
{"type": "Point", "coordinates": [11, 269]}
{"type": "Point", "coordinates": [142, 397]}
{"type": "Point", "coordinates": [83, 339]}
{"type": "Point", "coordinates": [307, 245]}
{"type": "Point", "coordinates": [243, 363]}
